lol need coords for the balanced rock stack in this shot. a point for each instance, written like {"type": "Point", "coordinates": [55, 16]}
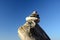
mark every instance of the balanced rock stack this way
{"type": "Point", "coordinates": [31, 30]}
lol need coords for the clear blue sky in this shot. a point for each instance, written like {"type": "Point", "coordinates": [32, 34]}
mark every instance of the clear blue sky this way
{"type": "Point", "coordinates": [13, 13]}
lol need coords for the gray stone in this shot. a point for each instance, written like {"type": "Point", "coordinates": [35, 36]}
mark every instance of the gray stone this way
{"type": "Point", "coordinates": [31, 30]}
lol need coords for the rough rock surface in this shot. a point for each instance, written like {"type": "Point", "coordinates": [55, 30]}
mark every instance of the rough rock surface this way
{"type": "Point", "coordinates": [31, 30]}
